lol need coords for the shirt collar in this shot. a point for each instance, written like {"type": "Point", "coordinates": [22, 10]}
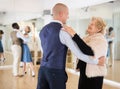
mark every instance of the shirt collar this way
{"type": "Point", "coordinates": [15, 29]}
{"type": "Point", "coordinates": [57, 21]}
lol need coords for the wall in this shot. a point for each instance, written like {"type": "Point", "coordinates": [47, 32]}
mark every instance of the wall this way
{"type": "Point", "coordinates": [116, 21]}
{"type": "Point", "coordinates": [11, 17]}
{"type": "Point", "coordinates": [79, 25]}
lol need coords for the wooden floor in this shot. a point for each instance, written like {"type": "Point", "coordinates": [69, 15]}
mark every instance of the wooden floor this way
{"type": "Point", "coordinates": [7, 81]}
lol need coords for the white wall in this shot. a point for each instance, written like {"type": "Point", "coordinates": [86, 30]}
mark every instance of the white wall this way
{"type": "Point", "coordinates": [116, 21]}
{"type": "Point", "coordinates": [1, 18]}
{"type": "Point", "coordinates": [11, 17]}
{"type": "Point", "coordinates": [86, 13]}
{"type": "Point", "coordinates": [79, 25]}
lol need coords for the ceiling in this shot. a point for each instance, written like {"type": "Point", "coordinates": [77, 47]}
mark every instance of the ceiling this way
{"type": "Point", "coordinates": [39, 5]}
{"type": "Point", "coordinates": [19, 10]}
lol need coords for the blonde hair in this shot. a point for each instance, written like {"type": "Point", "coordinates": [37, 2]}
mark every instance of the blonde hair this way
{"type": "Point", "coordinates": [28, 27]}
{"type": "Point", "coordinates": [100, 24]}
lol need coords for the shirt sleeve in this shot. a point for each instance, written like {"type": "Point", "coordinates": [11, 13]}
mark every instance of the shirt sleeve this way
{"type": "Point", "coordinates": [25, 39]}
{"type": "Point", "coordinates": [66, 39]}
{"type": "Point", "coordinates": [83, 46]}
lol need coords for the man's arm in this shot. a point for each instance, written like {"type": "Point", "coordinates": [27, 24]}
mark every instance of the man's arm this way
{"type": "Point", "coordinates": [83, 46]}
{"type": "Point", "coordinates": [66, 39]}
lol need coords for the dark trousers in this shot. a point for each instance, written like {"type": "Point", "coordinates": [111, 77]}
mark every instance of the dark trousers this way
{"type": "Point", "coordinates": [88, 83]}
{"type": "Point", "coordinates": [51, 78]}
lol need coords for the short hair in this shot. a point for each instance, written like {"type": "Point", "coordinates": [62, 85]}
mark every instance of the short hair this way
{"type": "Point", "coordinates": [110, 29]}
{"type": "Point", "coordinates": [58, 7]}
{"type": "Point", "coordinates": [15, 26]}
{"type": "Point", "coordinates": [100, 24]}
{"type": "Point", "coordinates": [1, 32]}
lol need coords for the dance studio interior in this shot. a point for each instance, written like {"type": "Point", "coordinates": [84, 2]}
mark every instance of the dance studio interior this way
{"type": "Point", "coordinates": [38, 13]}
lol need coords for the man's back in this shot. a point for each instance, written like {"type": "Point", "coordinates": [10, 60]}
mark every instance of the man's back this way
{"type": "Point", "coordinates": [54, 52]}
{"type": "Point", "coordinates": [14, 38]}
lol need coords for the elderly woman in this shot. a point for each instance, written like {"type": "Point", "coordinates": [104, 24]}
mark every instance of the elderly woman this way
{"type": "Point", "coordinates": [91, 76]}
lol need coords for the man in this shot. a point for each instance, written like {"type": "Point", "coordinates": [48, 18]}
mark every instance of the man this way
{"type": "Point", "coordinates": [16, 49]}
{"type": "Point", "coordinates": [54, 41]}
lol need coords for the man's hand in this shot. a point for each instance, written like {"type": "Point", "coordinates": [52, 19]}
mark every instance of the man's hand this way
{"type": "Point", "coordinates": [102, 61]}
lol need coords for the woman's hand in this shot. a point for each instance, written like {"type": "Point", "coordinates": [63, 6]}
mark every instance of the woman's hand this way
{"type": "Point", "coordinates": [69, 30]}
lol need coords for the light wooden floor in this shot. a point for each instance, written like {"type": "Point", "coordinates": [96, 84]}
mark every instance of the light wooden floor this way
{"type": "Point", "coordinates": [7, 81]}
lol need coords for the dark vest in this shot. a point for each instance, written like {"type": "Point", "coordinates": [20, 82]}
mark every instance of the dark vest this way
{"type": "Point", "coordinates": [15, 39]}
{"type": "Point", "coordinates": [54, 52]}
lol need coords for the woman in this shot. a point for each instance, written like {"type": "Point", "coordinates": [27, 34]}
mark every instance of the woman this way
{"type": "Point", "coordinates": [91, 76]}
{"type": "Point", "coordinates": [26, 55]}
{"type": "Point", "coordinates": [2, 58]}
{"type": "Point", "coordinates": [110, 53]}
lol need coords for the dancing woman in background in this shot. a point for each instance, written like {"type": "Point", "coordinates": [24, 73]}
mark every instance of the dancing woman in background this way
{"type": "Point", "coordinates": [26, 55]}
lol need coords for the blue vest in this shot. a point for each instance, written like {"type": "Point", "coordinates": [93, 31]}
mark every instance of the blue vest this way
{"type": "Point", "coordinates": [54, 52]}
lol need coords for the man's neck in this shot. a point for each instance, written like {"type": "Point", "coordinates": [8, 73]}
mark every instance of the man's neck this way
{"type": "Point", "coordinates": [58, 21]}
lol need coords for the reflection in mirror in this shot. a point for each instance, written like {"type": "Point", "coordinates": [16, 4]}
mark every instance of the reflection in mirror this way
{"type": "Point", "coordinates": [34, 42]}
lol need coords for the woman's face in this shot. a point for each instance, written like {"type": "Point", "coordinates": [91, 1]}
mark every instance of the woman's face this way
{"type": "Point", "coordinates": [92, 29]}
{"type": "Point", "coordinates": [27, 30]}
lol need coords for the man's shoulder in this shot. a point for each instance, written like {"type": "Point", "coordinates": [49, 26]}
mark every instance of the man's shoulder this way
{"type": "Point", "coordinates": [64, 36]}
{"type": "Point", "coordinates": [53, 25]}
{"type": "Point", "coordinates": [12, 32]}
{"type": "Point", "coordinates": [64, 33]}
{"type": "Point", "coordinates": [46, 26]}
